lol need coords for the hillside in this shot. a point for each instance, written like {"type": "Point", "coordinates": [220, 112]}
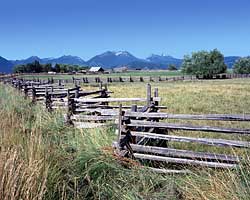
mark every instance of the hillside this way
{"type": "Point", "coordinates": [109, 59]}
{"type": "Point", "coordinates": [5, 65]}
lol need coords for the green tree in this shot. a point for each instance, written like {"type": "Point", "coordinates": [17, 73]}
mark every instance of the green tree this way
{"type": "Point", "coordinates": [172, 67]}
{"type": "Point", "coordinates": [242, 66]}
{"type": "Point", "coordinates": [47, 67]}
{"type": "Point", "coordinates": [204, 63]}
{"type": "Point", "coordinates": [57, 68]}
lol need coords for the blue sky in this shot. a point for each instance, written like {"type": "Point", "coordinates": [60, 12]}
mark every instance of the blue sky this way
{"type": "Point", "coordinates": [51, 28]}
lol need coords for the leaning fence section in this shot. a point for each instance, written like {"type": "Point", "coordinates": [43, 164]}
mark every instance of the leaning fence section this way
{"type": "Point", "coordinates": [144, 136]}
{"type": "Point", "coordinates": [142, 128]}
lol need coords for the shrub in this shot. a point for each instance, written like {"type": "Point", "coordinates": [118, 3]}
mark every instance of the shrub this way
{"type": "Point", "coordinates": [204, 63]}
{"type": "Point", "coordinates": [172, 67]}
{"type": "Point", "coordinates": [242, 66]}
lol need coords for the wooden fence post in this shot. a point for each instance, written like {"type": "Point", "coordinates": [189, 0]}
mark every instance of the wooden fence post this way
{"type": "Point", "coordinates": [100, 85]}
{"type": "Point", "coordinates": [156, 94]}
{"type": "Point", "coordinates": [19, 85]}
{"type": "Point", "coordinates": [48, 101]}
{"type": "Point", "coordinates": [33, 94]}
{"type": "Point", "coordinates": [69, 109]}
{"type": "Point", "coordinates": [134, 108]}
{"type": "Point", "coordinates": [77, 93]}
{"type": "Point", "coordinates": [148, 94]}
{"type": "Point", "coordinates": [119, 125]}
{"type": "Point", "coordinates": [25, 91]}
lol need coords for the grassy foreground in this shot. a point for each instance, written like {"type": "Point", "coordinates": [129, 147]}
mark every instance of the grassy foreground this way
{"type": "Point", "coordinates": [41, 158]}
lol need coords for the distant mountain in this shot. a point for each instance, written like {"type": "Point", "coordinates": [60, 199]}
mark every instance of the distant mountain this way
{"type": "Point", "coordinates": [109, 59]}
{"type": "Point", "coordinates": [72, 60]}
{"type": "Point", "coordinates": [112, 58]}
{"type": "Point", "coordinates": [164, 60]}
{"type": "Point", "coordinates": [26, 61]}
{"type": "Point", "coordinates": [5, 65]}
{"type": "Point", "coordinates": [145, 65]}
{"type": "Point", "coordinates": [230, 60]}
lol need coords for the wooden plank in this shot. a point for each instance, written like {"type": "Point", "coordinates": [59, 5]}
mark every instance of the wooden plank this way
{"type": "Point", "coordinates": [183, 153]}
{"type": "Point", "coordinates": [207, 141]}
{"type": "Point", "coordinates": [86, 93]}
{"type": "Point", "coordinates": [149, 94]}
{"type": "Point", "coordinates": [92, 117]}
{"type": "Point", "coordinates": [187, 127]}
{"type": "Point", "coordinates": [113, 106]}
{"type": "Point", "coordinates": [98, 110]}
{"type": "Point", "coordinates": [184, 161]}
{"type": "Point", "coordinates": [168, 171]}
{"type": "Point", "coordinates": [110, 100]}
{"type": "Point", "coordinates": [114, 100]}
{"type": "Point", "coordinates": [119, 124]}
{"type": "Point", "coordinates": [81, 125]}
{"type": "Point", "coordinates": [222, 117]}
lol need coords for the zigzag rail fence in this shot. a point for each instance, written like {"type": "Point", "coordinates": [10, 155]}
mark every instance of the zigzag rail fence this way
{"type": "Point", "coordinates": [120, 79]}
{"type": "Point", "coordinates": [84, 109]}
{"type": "Point", "coordinates": [141, 133]}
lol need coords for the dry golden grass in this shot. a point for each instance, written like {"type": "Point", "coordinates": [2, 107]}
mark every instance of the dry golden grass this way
{"type": "Point", "coordinates": [40, 158]}
{"type": "Point", "coordinates": [23, 170]}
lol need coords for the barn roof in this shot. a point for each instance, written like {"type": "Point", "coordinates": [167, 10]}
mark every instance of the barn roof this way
{"type": "Point", "coordinates": [95, 69]}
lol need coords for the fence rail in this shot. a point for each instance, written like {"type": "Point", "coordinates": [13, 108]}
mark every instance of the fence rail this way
{"type": "Point", "coordinates": [142, 133]}
{"type": "Point", "coordinates": [119, 79]}
{"type": "Point", "coordinates": [144, 137]}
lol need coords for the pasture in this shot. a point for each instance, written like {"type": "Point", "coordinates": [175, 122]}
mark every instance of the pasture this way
{"type": "Point", "coordinates": [56, 161]}
{"type": "Point", "coordinates": [123, 74]}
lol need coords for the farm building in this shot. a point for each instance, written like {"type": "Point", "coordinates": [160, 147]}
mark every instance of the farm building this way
{"type": "Point", "coordinates": [96, 70]}
{"type": "Point", "coordinates": [120, 69]}
{"type": "Point", "coordinates": [50, 72]}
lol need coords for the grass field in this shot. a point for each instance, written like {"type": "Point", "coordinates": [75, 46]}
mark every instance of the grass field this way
{"type": "Point", "coordinates": [156, 73]}
{"type": "Point", "coordinates": [152, 73]}
{"type": "Point", "coordinates": [49, 160]}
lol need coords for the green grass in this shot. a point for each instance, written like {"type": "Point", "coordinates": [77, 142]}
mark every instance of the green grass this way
{"type": "Point", "coordinates": [152, 73]}
{"type": "Point", "coordinates": [155, 73]}
{"type": "Point", "coordinates": [54, 161]}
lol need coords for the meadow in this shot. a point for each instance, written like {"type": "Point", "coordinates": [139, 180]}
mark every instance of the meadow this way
{"type": "Point", "coordinates": [155, 73]}
{"type": "Point", "coordinates": [139, 73]}
{"type": "Point", "coordinates": [42, 158]}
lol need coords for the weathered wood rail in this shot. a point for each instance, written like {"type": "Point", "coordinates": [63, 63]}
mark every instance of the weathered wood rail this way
{"type": "Point", "coordinates": [117, 79]}
{"type": "Point", "coordinates": [142, 136]}
{"type": "Point", "coordinates": [82, 108]}
{"type": "Point", "coordinates": [143, 131]}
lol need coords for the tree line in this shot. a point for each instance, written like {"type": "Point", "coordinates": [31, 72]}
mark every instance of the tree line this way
{"type": "Point", "coordinates": [36, 67]}
{"type": "Point", "coordinates": [209, 63]}
{"type": "Point", "coordinates": [201, 63]}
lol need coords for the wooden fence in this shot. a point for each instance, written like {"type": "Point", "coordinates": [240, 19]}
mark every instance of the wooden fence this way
{"type": "Point", "coordinates": [120, 79]}
{"type": "Point", "coordinates": [143, 136]}
{"type": "Point", "coordinates": [143, 131]}
{"type": "Point", "coordinates": [84, 109]}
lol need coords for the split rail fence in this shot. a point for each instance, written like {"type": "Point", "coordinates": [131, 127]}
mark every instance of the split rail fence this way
{"type": "Point", "coordinates": [120, 79]}
{"type": "Point", "coordinates": [143, 131]}
{"type": "Point", "coordinates": [144, 137]}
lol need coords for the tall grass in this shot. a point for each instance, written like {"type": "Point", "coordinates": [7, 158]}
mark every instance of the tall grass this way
{"type": "Point", "coordinates": [41, 158]}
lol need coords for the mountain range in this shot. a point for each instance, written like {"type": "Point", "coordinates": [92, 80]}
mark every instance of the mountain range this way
{"type": "Point", "coordinates": [108, 60]}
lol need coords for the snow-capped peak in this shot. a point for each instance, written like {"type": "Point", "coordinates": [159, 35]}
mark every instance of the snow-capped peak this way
{"type": "Point", "coordinates": [118, 53]}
